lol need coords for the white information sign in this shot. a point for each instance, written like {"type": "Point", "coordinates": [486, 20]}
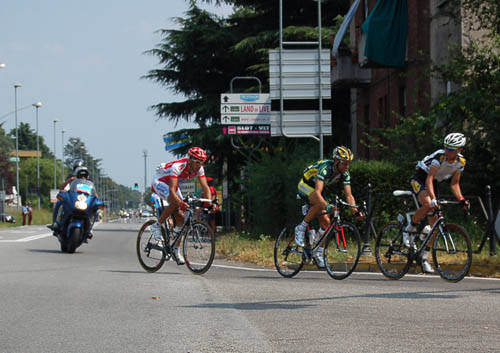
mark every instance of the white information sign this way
{"type": "Point", "coordinates": [53, 195]}
{"type": "Point", "coordinates": [245, 109]}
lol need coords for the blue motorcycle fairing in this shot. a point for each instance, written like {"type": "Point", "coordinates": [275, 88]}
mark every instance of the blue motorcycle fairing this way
{"type": "Point", "coordinates": [73, 217]}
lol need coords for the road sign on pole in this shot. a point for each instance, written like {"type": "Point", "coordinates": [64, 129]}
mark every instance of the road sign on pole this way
{"type": "Point", "coordinates": [247, 130]}
{"type": "Point", "coordinates": [245, 109]}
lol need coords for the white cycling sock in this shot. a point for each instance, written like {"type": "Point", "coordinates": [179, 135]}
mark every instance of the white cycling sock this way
{"type": "Point", "coordinates": [177, 229]}
{"type": "Point", "coordinates": [303, 225]}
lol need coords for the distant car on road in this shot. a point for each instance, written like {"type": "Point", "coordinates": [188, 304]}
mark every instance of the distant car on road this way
{"type": "Point", "coordinates": [5, 217]}
{"type": "Point", "coordinates": [146, 213]}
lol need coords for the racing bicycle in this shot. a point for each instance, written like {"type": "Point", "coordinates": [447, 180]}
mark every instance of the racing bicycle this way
{"type": "Point", "coordinates": [198, 242]}
{"type": "Point", "coordinates": [341, 251]}
{"type": "Point", "coordinates": [451, 249]}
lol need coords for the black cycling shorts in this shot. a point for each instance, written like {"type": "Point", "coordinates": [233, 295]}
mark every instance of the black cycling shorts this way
{"type": "Point", "coordinates": [417, 182]}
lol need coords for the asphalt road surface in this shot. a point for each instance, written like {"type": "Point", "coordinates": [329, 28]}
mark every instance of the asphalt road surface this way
{"type": "Point", "coordinates": [100, 300]}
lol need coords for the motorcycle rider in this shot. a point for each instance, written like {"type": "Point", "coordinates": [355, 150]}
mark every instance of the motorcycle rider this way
{"type": "Point", "coordinates": [79, 172]}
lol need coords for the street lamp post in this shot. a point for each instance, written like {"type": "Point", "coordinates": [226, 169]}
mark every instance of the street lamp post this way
{"type": "Point", "coordinates": [62, 154]}
{"type": "Point", "coordinates": [145, 155]}
{"type": "Point", "coordinates": [16, 86]}
{"type": "Point", "coordinates": [55, 159]}
{"type": "Point", "coordinates": [37, 105]}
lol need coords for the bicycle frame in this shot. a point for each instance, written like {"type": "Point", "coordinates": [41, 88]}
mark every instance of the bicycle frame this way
{"type": "Point", "coordinates": [188, 220]}
{"type": "Point", "coordinates": [334, 226]}
{"type": "Point", "coordinates": [438, 224]}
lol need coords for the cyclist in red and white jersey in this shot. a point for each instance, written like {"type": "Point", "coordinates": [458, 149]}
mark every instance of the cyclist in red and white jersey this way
{"type": "Point", "coordinates": [166, 186]}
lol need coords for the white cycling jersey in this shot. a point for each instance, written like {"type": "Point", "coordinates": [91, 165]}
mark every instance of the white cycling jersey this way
{"type": "Point", "coordinates": [445, 168]}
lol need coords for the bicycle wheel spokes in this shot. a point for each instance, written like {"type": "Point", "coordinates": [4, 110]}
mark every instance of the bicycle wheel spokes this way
{"type": "Point", "coordinates": [149, 250]}
{"type": "Point", "coordinates": [342, 251]}
{"type": "Point", "coordinates": [199, 247]}
{"type": "Point", "coordinates": [452, 252]}
{"type": "Point", "coordinates": [393, 258]}
{"type": "Point", "coordinates": [287, 257]}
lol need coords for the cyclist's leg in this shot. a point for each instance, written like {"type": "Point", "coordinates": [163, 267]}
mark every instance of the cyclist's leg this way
{"type": "Point", "coordinates": [303, 192]}
{"type": "Point", "coordinates": [419, 188]}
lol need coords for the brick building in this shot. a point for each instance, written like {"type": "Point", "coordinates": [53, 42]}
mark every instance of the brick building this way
{"type": "Point", "coordinates": [370, 95]}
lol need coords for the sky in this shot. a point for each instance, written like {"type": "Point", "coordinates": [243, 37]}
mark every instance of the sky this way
{"type": "Point", "coordinates": [83, 61]}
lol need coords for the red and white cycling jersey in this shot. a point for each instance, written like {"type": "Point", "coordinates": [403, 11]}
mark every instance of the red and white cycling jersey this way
{"type": "Point", "coordinates": [176, 169]}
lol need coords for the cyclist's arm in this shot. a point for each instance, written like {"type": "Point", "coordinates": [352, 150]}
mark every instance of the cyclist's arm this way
{"type": "Point", "coordinates": [205, 189]}
{"type": "Point", "coordinates": [318, 190]}
{"type": "Point", "coordinates": [429, 182]}
{"type": "Point", "coordinates": [455, 185]}
{"type": "Point", "coordinates": [349, 197]}
{"type": "Point", "coordinates": [173, 184]}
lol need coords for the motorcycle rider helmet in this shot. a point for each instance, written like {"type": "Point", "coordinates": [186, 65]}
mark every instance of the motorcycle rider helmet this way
{"type": "Point", "coordinates": [454, 140]}
{"type": "Point", "coordinates": [342, 153]}
{"type": "Point", "coordinates": [198, 153]}
{"type": "Point", "coordinates": [82, 172]}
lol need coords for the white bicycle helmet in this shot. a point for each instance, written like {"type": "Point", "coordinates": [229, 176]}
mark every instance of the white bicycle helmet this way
{"type": "Point", "coordinates": [455, 140]}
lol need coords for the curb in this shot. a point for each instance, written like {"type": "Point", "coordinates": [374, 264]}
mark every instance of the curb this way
{"type": "Point", "coordinates": [476, 270]}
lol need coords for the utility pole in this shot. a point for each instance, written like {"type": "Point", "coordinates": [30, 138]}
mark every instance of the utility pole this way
{"type": "Point", "coordinates": [145, 154]}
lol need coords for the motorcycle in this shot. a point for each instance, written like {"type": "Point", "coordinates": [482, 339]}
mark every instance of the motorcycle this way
{"type": "Point", "coordinates": [80, 204]}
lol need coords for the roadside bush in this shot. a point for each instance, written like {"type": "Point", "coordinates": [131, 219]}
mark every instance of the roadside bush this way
{"type": "Point", "coordinates": [276, 178]}
{"type": "Point", "coordinates": [274, 181]}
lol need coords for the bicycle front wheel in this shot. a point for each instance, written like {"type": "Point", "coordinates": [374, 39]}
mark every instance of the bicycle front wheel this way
{"type": "Point", "coordinates": [342, 250]}
{"type": "Point", "coordinates": [452, 252]}
{"type": "Point", "coordinates": [199, 247]}
{"type": "Point", "coordinates": [287, 257]}
{"type": "Point", "coordinates": [393, 258]}
{"type": "Point", "coordinates": [149, 250]}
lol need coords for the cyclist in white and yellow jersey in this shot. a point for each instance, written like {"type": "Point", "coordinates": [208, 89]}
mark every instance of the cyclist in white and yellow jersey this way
{"type": "Point", "coordinates": [310, 189]}
{"type": "Point", "coordinates": [441, 165]}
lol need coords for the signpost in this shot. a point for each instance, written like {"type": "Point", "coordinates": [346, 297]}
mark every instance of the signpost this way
{"type": "Point", "coordinates": [245, 109]}
{"type": "Point", "coordinates": [53, 195]}
{"type": "Point", "coordinates": [247, 130]}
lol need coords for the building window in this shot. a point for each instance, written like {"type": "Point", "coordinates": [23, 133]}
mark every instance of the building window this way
{"type": "Point", "coordinates": [402, 101]}
{"type": "Point", "coordinates": [366, 117]}
{"type": "Point", "coordinates": [383, 115]}
{"type": "Point", "coordinates": [366, 113]}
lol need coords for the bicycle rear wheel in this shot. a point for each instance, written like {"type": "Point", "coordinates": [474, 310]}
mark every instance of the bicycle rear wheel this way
{"type": "Point", "coordinates": [393, 258]}
{"type": "Point", "coordinates": [199, 247]}
{"type": "Point", "coordinates": [452, 252]}
{"type": "Point", "coordinates": [342, 251]}
{"type": "Point", "coordinates": [287, 257]}
{"type": "Point", "coordinates": [149, 250]}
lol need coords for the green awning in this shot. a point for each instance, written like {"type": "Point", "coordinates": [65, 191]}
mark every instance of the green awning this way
{"type": "Point", "coordinates": [386, 30]}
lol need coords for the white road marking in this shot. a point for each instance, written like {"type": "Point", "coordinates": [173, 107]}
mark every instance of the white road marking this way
{"type": "Point", "coordinates": [354, 273]}
{"type": "Point", "coordinates": [26, 239]}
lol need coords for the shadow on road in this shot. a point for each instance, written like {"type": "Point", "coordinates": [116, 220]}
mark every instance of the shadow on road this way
{"type": "Point", "coordinates": [47, 251]}
{"type": "Point", "coordinates": [300, 303]}
{"type": "Point", "coordinates": [117, 230]}
{"type": "Point", "coordinates": [144, 272]}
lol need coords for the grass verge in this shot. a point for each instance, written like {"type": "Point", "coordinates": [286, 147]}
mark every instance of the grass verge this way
{"type": "Point", "coordinates": [41, 217]}
{"type": "Point", "coordinates": [258, 250]}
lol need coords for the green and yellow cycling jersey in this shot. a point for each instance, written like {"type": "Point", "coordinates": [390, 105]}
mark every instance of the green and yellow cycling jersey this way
{"type": "Point", "coordinates": [323, 170]}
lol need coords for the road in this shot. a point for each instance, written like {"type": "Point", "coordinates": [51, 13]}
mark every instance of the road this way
{"type": "Point", "coordinates": [100, 300]}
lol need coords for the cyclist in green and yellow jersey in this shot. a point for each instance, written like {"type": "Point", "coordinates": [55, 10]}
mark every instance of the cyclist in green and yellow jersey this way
{"type": "Point", "coordinates": [311, 187]}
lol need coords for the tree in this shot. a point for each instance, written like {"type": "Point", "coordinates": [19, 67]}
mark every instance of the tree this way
{"type": "Point", "coordinates": [6, 172]}
{"type": "Point", "coordinates": [27, 140]}
{"type": "Point", "coordinates": [199, 59]}
{"type": "Point", "coordinates": [75, 149]}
